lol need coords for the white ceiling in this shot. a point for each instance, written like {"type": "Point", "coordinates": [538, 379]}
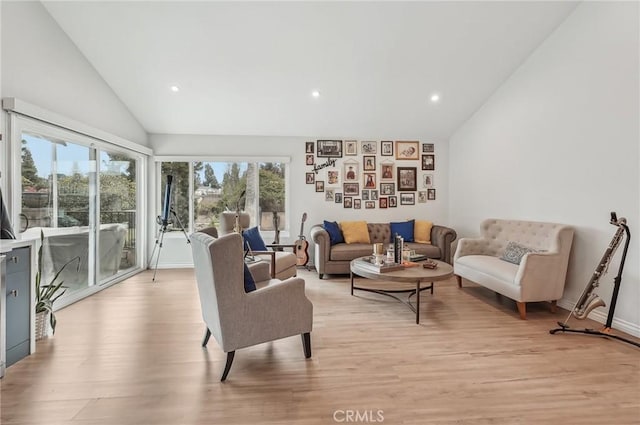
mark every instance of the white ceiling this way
{"type": "Point", "coordinates": [249, 68]}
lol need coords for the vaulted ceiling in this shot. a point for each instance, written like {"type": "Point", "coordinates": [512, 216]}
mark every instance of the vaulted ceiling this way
{"type": "Point", "coordinates": [249, 68]}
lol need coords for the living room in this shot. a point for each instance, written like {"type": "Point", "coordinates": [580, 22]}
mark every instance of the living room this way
{"type": "Point", "coordinates": [553, 137]}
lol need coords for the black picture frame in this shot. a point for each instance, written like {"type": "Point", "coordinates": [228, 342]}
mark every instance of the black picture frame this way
{"type": "Point", "coordinates": [350, 189]}
{"type": "Point", "coordinates": [319, 185]}
{"type": "Point", "coordinates": [431, 194]}
{"type": "Point", "coordinates": [408, 198]}
{"type": "Point", "coordinates": [386, 148]}
{"type": "Point", "coordinates": [348, 202]}
{"type": "Point", "coordinates": [310, 178]}
{"type": "Point", "coordinates": [329, 149]}
{"type": "Point", "coordinates": [429, 162]}
{"type": "Point", "coordinates": [407, 179]}
{"type": "Point", "coordinates": [308, 147]}
{"type": "Point", "coordinates": [393, 201]}
{"type": "Point", "coordinates": [369, 163]}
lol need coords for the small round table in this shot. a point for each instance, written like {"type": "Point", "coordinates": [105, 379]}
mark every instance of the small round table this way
{"type": "Point", "coordinates": [416, 274]}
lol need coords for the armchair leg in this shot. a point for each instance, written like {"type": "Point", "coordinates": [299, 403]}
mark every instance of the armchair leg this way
{"type": "Point", "coordinates": [227, 366]}
{"type": "Point", "coordinates": [553, 306]}
{"type": "Point", "coordinates": [207, 335]}
{"type": "Point", "coordinates": [306, 344]}
{"type": "Point", "coordinates": [459, 279]}
{"type": "Point", "coordinates": [320, 275]}
{"type": "Point", "coordinates": [522, 309]}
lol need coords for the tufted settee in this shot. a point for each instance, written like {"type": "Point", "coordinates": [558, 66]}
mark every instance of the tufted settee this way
{"type": "Point", "coordinates": [492, 260]}
{"type": "Point", "coordinates": [335, 259]}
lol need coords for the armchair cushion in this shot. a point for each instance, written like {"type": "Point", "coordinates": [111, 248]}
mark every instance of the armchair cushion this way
{"type": "Point", "coordinates": [355, 231]}
{"type": "Point", "coordinates": [249, 283]}
{"type": "Point", "coordinates": [404, 229]}
{"type": "Point", "coordinates": [514, 252]}
{"type": "Point", "coordinates": [254, 239]}
{"type": "Point", "coordinates": [335, 234]}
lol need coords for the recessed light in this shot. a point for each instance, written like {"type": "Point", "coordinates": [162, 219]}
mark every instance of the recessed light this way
{"type": "Point", "coordinates": [315, 93]}
{"type": "Point", "coordinates": [175, 89]}
{"type": "Point", "coordinates": [435, 98]}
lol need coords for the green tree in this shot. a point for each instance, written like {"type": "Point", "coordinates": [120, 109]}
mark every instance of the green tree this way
{"type": "Point", "coordinates": [210, 178]}
{"type": "Point", "coordinates": [271, 187]}
{"type": "Point", "coordinates": [29, 171]}
{"type": "Point", "coordinates": [232, 186]}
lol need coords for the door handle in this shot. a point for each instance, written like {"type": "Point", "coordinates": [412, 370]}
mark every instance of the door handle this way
{"type": "Point", "coordinates": [14, 292]}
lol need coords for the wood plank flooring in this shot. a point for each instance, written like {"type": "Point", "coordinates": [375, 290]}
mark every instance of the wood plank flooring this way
{"type": "Point", "coordinates": [131, 355]}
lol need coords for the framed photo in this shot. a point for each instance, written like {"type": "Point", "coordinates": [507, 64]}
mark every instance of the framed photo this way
{"type": "Point", "coordinates": [393, 201]}
{"type": "Point", "coordinates": [329, 148]}
{"type": "Point", "coordinates": [319, 186]}
{"type": "Point", "coordinates": [422, 196]}
{"type": "Point", "coordinates": [348, 202]}
{"type": "Point", "coordinates": [369, 180]}
{"type": "Point", "coordinates": [427, 180]}
{"type": "Point", "coordinates": [350, 189]}
{"type": "Point", "coordinates": [428, 162]}
{"type": "Point", "coordinates": [427, 147]}
{"type": "Point", "coordinates": [356, 204]}
{"type": "Point", "coordinates": [308, 147]}
{"type": "Point", "coordinates": [386, 148]}
{"type": "Point", "coordinates": [369, 204]}
{"type": "Point", "coordinates": [383, 202]}
{"type": "Point", "coordinates": [407, 178]}
{"type": "Point", "coordinates": [333, 177]}
{"type": "Point", "coordinates": [311, 178]}
{"type": "Point", "coordinates": [365, 195]}
{"type": "Point", "coordinates": [431, 194]}
{"type": "Point", "coordinates": [310, 159]}
{"type": "Point", "coordinates": [406, 150]}
{"type": "Point", "coordinates": [387, 189]}
{"type": "Point", "coordinates": [329, 195]}
{"type": "Point", "coordinates": [386, 171]}
{"type": "Point", "coordinates": [374, 195]}
{"type": "Point", "coordinates": [351, 171]}
{"type": "Point", "coordinates": [369, 148]}
{"type": "Point", "coordinates": [407, 199]}
{"type": "Point", "coordinates": [338, 198]}
{"type": "Point", "coordinates": [369, 163]}
{"type": "Point", "coordinates": [350, 147]}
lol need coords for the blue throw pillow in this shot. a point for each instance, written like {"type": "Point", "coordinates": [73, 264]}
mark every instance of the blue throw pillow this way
{"type": "Point", "coordinates": [249, 283]}
{"type": "Point", "coordinates": [253, 238]}
{"type": "Point", "coordinates": [404, 229]}
{"type": "Point", "coordinates": [335, 234]}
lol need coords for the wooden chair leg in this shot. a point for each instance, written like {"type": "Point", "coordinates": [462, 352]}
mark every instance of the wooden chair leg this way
{"type": "Point", "coordinates": [554, 306]}
{"type": "Point", "coordinates": [522, 309]}
{"type": "Point", "coordinates": [207, 335]}
{"type": "Point", "coordinates": [306, 344]}
{"type": "Point", "coordinates": [459, 279]}
{"type": "Point", "coordinates": [227, 366]}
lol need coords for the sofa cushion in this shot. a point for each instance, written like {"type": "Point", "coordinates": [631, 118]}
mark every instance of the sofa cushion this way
{"type": "Point", "coordinates": [422, 231]}
{"type": "Point", "coordinates": [490, 272]}
{"type": "Point", "coordinates": [335, 234]}
{"type": "Point", "coordinates": [254, 239]}
{"type": "Point", "coordinates": [355, 232]}
{"type": "Point", "coordinates": [514, 252]}
{"type": "Point", "coordinates": [404, 229]}
{"type": "Point", "coordinates": [348, 252]}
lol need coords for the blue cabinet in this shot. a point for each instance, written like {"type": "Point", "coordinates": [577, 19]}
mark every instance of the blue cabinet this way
{"type": "Point", "coordinates": [18, 297]}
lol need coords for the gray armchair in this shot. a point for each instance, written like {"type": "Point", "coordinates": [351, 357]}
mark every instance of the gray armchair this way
{"type": "Point", "coordinates": [278, 309]}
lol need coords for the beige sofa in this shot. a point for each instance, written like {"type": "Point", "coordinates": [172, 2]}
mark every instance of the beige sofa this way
{"type": "Point", "coordinates": [540, 276]}
{"type": "Point", "coordinates": [335, 259]}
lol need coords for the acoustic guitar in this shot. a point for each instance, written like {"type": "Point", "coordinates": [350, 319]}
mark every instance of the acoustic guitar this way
{"type": "Point", "coordinates": [302, 245]}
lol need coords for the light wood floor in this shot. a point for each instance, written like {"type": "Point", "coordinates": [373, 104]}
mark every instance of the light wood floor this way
{"type": "Point", "coordinates": [131, 355]}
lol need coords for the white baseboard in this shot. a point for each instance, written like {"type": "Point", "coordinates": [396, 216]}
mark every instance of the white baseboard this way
{"type": "Point", "coordinates": [600, 315]}
{"type": "Point", "coordinates": [173, 266]}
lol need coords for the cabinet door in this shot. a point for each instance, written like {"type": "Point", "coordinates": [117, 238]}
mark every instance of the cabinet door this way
{"type": "Point", "coordinates": [17, 305]}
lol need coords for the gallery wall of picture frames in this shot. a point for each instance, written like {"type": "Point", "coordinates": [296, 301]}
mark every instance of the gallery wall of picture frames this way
{"type": "Point", "coordinates": [371, 174]}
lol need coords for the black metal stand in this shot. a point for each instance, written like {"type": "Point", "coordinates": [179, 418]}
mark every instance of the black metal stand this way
{"type": "Point", "coordinates": [614, 297]}
{"type": "Point", "coordinates": [160, 239]}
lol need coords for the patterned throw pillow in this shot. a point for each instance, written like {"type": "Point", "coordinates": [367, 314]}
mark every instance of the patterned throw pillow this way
{"type": "Point", "coordinates": [515, 251]}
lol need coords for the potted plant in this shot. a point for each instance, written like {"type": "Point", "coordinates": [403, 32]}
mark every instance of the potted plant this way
{"type": "Point", "coordinates": [47, 294]}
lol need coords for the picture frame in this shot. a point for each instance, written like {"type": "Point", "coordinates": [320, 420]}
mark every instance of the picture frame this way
{"type": "Point", "coordinates": [310, 159]}
{"type": "Point", "coordinates": [319, 186]}
{"type": "Point", "coordinates": [374, 195]}
{"type": "Point", "coordinates": [365, 195]}
{"type": "Point", "coordinates": [329, 195]}
{"type": "Point", "coordinates": [407, 179]}
{"type": "Point", "coordinates": [383, 202]}
{"type": "Point", "coordinates": [386, 171]}
{"type": "Point", "coordinates": [338, 198]}
{"type": "Point", "coordinates": [350, 189]}
{"type": "Point", "coordinates": [407, 199]}
{"type": "Point", "coordinates": [422, 196]}
{"type": "Point", "coordinates": [427, 147]}
{"type": "Point", "coordinates": [333, 177]}
{"type": "Point", "coordinates": [369, 204]}
{"type": "Point", "coordinates": [348, 202]}
{"type": "Point", "coordinates": [357, 204]}
{"type": "Point", "coordinates": [308, 147]}
{"type": "Point", "coordinates": [407, 150]}
{"type": "Point", "coordinates": [393, 201]}
{"type": "Point", "coordinates": [369, 181]}
{"type": "Point", "coordinates": [329, 149]}
{"type": "Point", "coordinates": [427, 180]}
{"type": "Point", "coordinates": [350, 147]}
{"type": "Point", "coordinates": [369, 163]}
{"type": "Point", "coordinates": [310, 178]}
{"type": "Point", "coordinates": [351, 171]}
{"type": "Point", "coordinates": [431, 194]}
{"type": "Point", "coordinates": [368, 148]}
{"type": "Point", "coordinates": [387, 189]}
{"type": "Point", "coordinates": [429, 162]}
{"type": "Point", "coordinates": [386, 148]}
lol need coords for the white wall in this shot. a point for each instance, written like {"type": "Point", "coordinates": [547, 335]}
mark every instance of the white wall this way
{"type": "Point", "coordinates": [40, 65]}
{"type": "Point", "coordinates": [303, 196]}
{"type": "Point", "coordinates": [559, 142]}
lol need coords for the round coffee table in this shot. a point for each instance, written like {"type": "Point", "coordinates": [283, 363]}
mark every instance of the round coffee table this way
{"type": "Point", "coordinates": [415, 274]}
